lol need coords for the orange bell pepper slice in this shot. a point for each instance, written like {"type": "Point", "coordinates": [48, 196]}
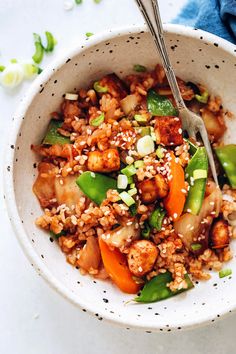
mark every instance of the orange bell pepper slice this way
{"type": "Point", "coordinates": [115, 264]}
{"type": "Point", "coordinates": [174, 202]}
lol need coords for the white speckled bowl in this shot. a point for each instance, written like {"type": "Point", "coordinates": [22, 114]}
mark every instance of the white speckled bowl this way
{"type": "Point", "coordinates": [196, 56]}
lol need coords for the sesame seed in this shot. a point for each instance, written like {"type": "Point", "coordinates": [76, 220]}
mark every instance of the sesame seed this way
{"type": "Point", "coordinates": [180, 131]}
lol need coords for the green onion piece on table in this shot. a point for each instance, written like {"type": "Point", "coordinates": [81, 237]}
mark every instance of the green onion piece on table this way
{"type": "Point", "coordinates": [197, 187]}
{"type": "Point", "coordinates": [203, 98]}
{"type": "Point", "coordinates": [89, 34]}
{"type": "Point", "coordinates": [39, 50]}
{"type": "Point", "coordinates": [95, 185]}
{"type": "Point", "coordinates": [146, 230]}
{"type": "Point", "coordinates": [78, 2]}
{"type": "Point", "coordinates": [2, 68]}
{"type": "Point", "coordinates": [51, 42]}
{"type": "Point", "coordinates": [225, 273]}
{"type": "Point", "coordinates": [98, 121]}
{"type": "Point", "coordinates": [227, 157]}
{"type": "Point", "coordinates": [140, 68]}
{"type": "Point", "coordinates": [98, 88]}
{"type": "Point", "coordinates": [156, 218]}
{"type": "Point", "coordinates": [156, 289]}
{"type": "Point", "coordinates": [53, 136]}
{"type": "Point", "coordinates": [160, 105]}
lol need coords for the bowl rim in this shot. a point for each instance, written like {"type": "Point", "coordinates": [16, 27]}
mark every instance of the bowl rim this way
{"type": "Point", "coordinates": [8, 183]}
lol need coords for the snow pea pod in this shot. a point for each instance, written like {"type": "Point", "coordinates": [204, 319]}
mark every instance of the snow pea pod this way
{"type": "Point", "coordinates": [53, 136]}
{"type": "Point", "coordinates": [160, 105]}
{"type": "Point", "coordinates": [227, 156]}
{"type": "Point", "coordinates": [156, 289]}
{"type": "Point", "coordinates": [95, 185]}
{"type": "Point", "coordinates": [199, 162]}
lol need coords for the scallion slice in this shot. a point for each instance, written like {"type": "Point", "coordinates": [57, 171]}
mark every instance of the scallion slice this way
{"type": "Point", "coordinates": [139, 68]}
{"type": "Point", "coordinates": [225, 273]}
{"type": "Point", "coordinates": [138, 163]}
{"type": "Point", "coordinates": [159, 152]}
{"type": "Point", "coordinates": [39, 50]}
{"type": "Point", "coordinates": [89, 34]}
{"type": "Point", "coordinates": [78, 2]}
{"type": "Point", "coordinates": [133, 191]}
{"type": "Point", "coordinates": [98, 121]}
{"type": "Point", "coordinates": [203, 98]}
{"type": "Point", "coordinates": [2, 68]}
{"type": "Point", "coordinates": [129, 170]}
{"type": "Point", "coordinates": [196, 246]}
{"type": "Point", "coordinates": [140, 118]}
{"type": "Point", "coordinates": [98, 88]}
{"type": "Point", "coordinates": [127, 199]}
{"type": "Point", "coordinates": [51, 42]}
{"type": "Point", "coordinates": [71, 96]}
{"type": "Point", "coordinates": [122, 181]}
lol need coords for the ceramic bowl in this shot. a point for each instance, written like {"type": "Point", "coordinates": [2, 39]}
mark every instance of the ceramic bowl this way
{"type": "Point", "coordinates": [197, 56]}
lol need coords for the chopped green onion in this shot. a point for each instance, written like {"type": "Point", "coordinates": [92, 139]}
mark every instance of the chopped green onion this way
{"type": "Point", "coordinates": [133, 209]}
{"type": "Point", "coordinates": [78, 2]}
{"type": "Point", "coordinates": [145, 232]}
{"type": "Point", "coordinates": [56, 236]}
{"type": "Point", "coordinates": [122, 181]}
{"type": "Point", "coordinates": [2, 68]}
{"type": "Point", "coordinates": [30, 70]}
{"type": "Point", "coordinates": [145, 146]}
{"type": "Point", "coordinates": [127, 199]}
{"type": "Point", "coordinates": [132, 185]}
{"type": "Point", "coordinates": [129, 170]}
{"type": "Point", "coordinates": [101, 89]}
{"type": "Point", "coordinates": [97, 1]}
{"type": "Point", "coordinates": [51, 42]}
{"type": "Point", "coordinates": [71, 96]}
{"type": "Point", "coordinates": [196, 246]}
{"type": "Point", "coordinates": [152, 133]}
{"type": "Point", "coordinates": [138, 164]}
{"type": "Point", "coordinates": [12, 76]}
{"type": "Point", "coordinates": [225, 273]}
{"type": "Point", "coordinates": [89, 34]}
{"type": "Point", "coordinates": [39, 50]}
{"type": "Point", "coordinates": [156, 218]}
{"type": "Point", "coordinates": [203, 98]}
{"type": "Point", "coordinates": [159, 152]}
{"type": "Point", "coordinates": [39, 70]}
{"type": "Point", "coordinates": [198, 174]}
{"type": "Point", "coordinates": [130, 180]}
{"type": "Point", "coordinates": [13, 61]}
{"type": "Point", "coordinates": [140, 118]}
{"type": "Point", "coordinates": [139, 68]}
{"type": "Point", "coordinates": [98, 121]}
{"type": "Point", "coordinates": [142, 131]}
{"type": "Point", "coordinates": [133, 191]}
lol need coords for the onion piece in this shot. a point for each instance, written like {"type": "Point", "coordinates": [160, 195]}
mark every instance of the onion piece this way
{"type": "Point", "coordinates": [129, 103]}
{"type": "Point", "coordinates": [90, 256]}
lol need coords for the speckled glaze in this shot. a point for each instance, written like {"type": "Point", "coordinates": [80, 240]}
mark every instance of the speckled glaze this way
{"type": "Point", "coordinates": [196, 56]}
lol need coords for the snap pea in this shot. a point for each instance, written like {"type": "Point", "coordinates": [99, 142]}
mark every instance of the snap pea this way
{"type": "Point", "coordinates": [197, 187]}
{"type": "Point", "coordinates": [156, 289]}
{"type": "Point", "coordinates": [156, 218]}
{"type": "Point", "coordinates": [160, 105]}
{"type": "Point", "coordinates": [95, 185]}
{"type": "Point", "coordinates": [227, 156]}
{"type": "Point", "coordinates": [52, 136]}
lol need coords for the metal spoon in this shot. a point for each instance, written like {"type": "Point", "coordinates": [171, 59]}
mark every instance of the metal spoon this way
{"type": "Point", "coordinates": [191, 122]}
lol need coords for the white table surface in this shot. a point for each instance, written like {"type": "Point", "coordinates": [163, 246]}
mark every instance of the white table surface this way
{"type": "Point", "coordinates": [33, 318]}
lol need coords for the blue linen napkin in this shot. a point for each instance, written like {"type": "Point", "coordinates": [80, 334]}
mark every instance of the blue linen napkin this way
{"type": "Point", "coordinates": [215, 16]}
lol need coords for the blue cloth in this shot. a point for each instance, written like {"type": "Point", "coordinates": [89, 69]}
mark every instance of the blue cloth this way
{"type": "Point", "coordinates": [215, 16]}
